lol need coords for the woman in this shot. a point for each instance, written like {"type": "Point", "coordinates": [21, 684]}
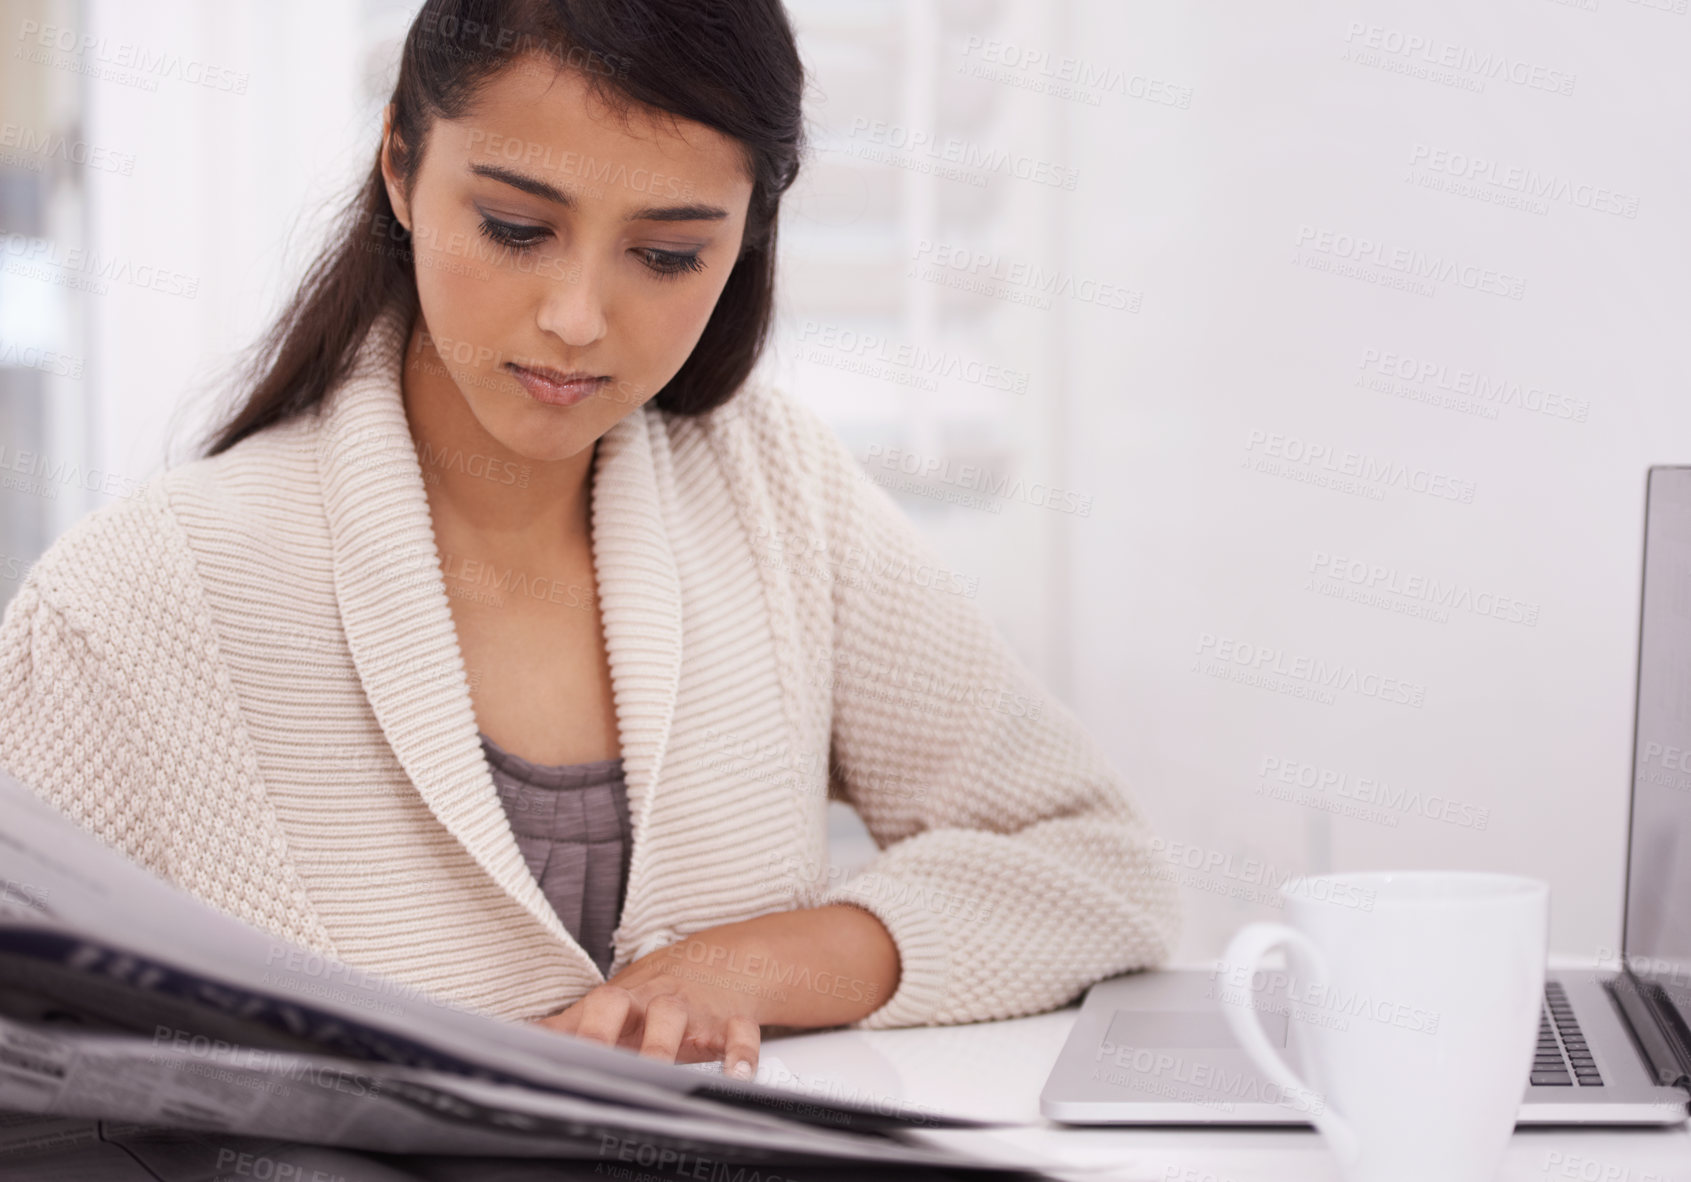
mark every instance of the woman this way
{"type": "Point", "coordinates": [509, 642]}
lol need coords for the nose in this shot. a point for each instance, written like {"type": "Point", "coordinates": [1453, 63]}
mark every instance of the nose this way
{"type": "Point", "coordinates": [573, 308]}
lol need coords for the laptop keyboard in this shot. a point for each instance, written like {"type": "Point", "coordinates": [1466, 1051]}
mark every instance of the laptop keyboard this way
{"type": "Point", "coordinates": [1562, 1058]}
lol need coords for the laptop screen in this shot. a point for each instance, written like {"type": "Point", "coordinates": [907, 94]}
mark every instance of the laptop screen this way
{"type": "Point", "coordinates": [1657, 938]}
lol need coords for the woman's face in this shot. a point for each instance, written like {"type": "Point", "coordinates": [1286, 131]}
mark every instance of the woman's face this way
{"type": "Point", "coordinates": [549, 236]}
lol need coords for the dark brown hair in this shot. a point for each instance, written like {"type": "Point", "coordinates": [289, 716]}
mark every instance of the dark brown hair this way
{"type": "Point", "coordinates": [731, 65]}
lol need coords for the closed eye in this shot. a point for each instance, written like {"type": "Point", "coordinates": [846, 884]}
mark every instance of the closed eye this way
{"type": "Point", "coordinates": [510, 234]}
{"type": "Point", "coordinates": [669, 262]}
{"type": "Point", "coordinates": [662, 263]}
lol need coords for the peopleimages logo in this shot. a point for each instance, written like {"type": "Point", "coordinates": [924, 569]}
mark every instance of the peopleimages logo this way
{"type": "Point", "coordinates": [601, 174]}
{"type": "Point", "coordinates": [49, 145]}
{"type": "Point", "coordinates": [1310, 784]}
{"type": "Point", "coordinates": [977, 478]}
{"type": "Point", "coordinates": [1528, 182]}
{"type": "Point", "coordinates": [1256, 872]}
{"type": "Point", "coordinates": [1469, 383]}
{"type": "Point", "coordinates": [923, 147]}
{"type": "Point", "coordinates": [966, 268]}
{"type": "Point", "coordinates": [45, 474]}
{"type": "Point", "coordinates": [1311, 1001]}
{"type": "Point", "coordinates": [1665, 765]}
{"type": "Point", "coordinates": [48, 361]}
{"type": "Point", "coordinates": [1266, 660]}
{"type": "Point", "coordinates": [473, 464]}
{"type": "Point", "coordinates": [1085, 75]}
{"type": "Point", "coordinates": [1314, 455]}
{"type": "Point", "coordinates": [1446, 595]}
{"type": "Point", "coordinates": [1408, 261]}
{"type": "Point", "coordinates": [1437, 53]}
{"type": "Point", "coordinates": [93, 52]}
{"type": "Point", "coordinates": [917, 360]}
{"type": "Point", "coordinates": [1194, 1081]}
{"type": "Point", "coordinates": [81, 269]}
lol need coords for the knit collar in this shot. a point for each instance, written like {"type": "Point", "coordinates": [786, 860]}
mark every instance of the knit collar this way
{"type": "Point", "coordinates": [398, 623]}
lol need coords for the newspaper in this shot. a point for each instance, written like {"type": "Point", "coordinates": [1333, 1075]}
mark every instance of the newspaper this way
{"type": "Point", "coordinates": [125, 998]}
{"type": "Point", "coordinates": [48, 1149]}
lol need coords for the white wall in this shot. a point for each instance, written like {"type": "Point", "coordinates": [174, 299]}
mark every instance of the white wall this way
{"type": "Point", "coordinates": [229, 190]}
{"type": "Point", "coordinates": [1204, 208]}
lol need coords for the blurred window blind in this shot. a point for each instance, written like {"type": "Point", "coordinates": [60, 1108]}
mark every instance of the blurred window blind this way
{"type": "Point", "coordinates": [43, 161]}
{"type": "Point", "coordinates": [905, 314]}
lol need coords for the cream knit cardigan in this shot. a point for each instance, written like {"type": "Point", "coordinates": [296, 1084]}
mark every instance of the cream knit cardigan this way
{"type": "Point", "coordinates": [247, 678]}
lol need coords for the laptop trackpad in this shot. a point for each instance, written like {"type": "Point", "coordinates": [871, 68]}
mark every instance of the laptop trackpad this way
{"type": "Point", "coordinates": [1189, 1030]}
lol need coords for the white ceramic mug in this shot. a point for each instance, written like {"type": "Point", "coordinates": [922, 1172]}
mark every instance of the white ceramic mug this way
{"type": "Point", "coordinates": [1414, 998]}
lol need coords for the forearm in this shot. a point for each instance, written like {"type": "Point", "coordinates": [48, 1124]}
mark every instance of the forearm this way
{"type": "Point", "coordinates": [1091, 884]}
{"type": "Point", "coordinates": [820, 966]}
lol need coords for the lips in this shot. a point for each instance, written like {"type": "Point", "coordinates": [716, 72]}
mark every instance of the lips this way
{"type": "Point", "coordinates": [554, 388]}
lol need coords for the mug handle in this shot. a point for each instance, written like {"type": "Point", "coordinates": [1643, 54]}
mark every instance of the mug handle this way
{"type": "Point", "coordinates": [1245, 953]}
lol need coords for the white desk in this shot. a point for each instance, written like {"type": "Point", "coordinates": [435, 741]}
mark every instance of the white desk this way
{"type": "Point", "coordinates": [995, 1070]}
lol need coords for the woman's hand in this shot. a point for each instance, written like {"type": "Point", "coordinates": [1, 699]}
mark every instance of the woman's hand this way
{"type": "Point", "coordinates": [657, 1008]}
{"type": "Point", "coordinates": [708, 996]}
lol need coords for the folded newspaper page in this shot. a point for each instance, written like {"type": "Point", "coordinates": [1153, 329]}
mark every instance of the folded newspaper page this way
{"type": "Point", "coordinates": [123, 997]}
{"type": "Point", "coordinates": [57, 1149]}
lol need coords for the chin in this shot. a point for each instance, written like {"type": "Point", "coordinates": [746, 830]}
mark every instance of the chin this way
{"type": "Point", "coordinates": [544, 445]}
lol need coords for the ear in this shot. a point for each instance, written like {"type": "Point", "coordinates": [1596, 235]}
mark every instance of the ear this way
{"type": "Point", "coordinates": [396, 192]}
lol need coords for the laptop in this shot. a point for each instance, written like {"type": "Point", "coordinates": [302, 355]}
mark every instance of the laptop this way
{"type": "Point", "coordinates": [1614, 1046]}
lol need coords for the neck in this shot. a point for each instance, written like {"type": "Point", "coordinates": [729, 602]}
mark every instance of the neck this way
{"type": "Point", "coordinates": [475, 484]}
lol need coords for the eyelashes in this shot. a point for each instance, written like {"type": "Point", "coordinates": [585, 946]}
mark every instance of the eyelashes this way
{"type": "Point", "coordinates": [670, 262]}
{"type": "Point", "coordinates": [508, 235]}
{"type": "Point", "coordinates": [664, 264]}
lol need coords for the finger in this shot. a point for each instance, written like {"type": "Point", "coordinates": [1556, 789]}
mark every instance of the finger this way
{"type": "Point", "coordinates": [739, 1056]}
{"type": "Point", "coordinates": [604, 1013]}
{"type": "Point", "coordinates": [566, 1019]}
{"type": "Point", "coordinates": [666, 1022]}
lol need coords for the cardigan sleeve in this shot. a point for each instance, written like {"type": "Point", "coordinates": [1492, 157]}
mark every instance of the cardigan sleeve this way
{"type": "Point", "coordinates": [67, 727]}
{"type": "Point", "coordinates": [115, 708]}
{"type": "Point", "coordinates": [1015, 868]}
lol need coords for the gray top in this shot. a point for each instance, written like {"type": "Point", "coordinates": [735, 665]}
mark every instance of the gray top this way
{"type": "Point", "coordinates": [571, 823]}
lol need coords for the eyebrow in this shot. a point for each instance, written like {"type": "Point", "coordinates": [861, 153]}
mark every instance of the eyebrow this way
{"type": "Point", "coordinates": [647, 213]}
